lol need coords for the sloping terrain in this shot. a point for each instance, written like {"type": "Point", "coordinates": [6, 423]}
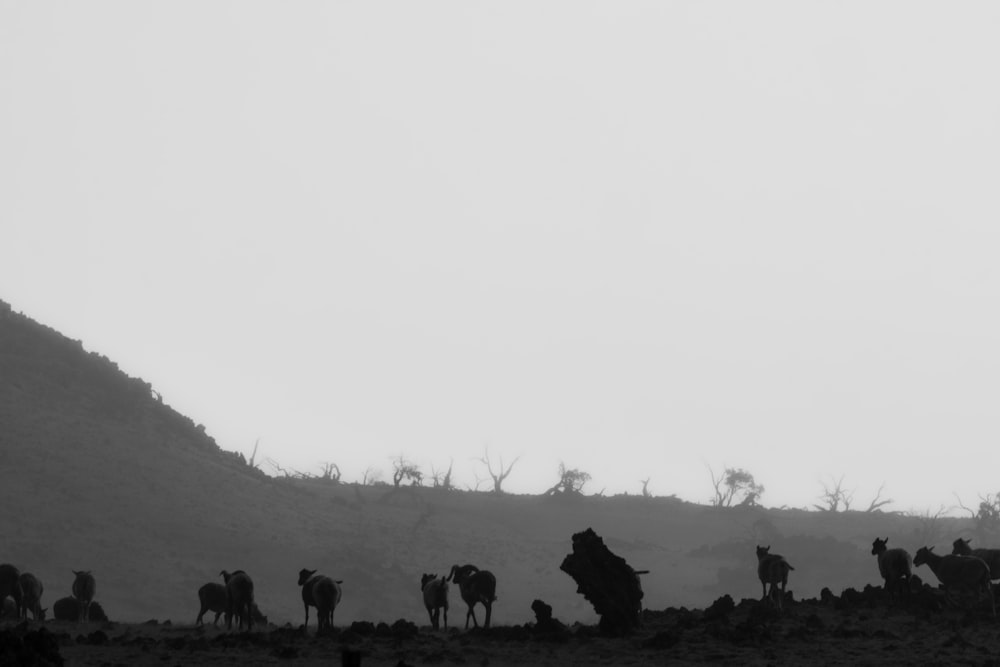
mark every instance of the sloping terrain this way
{"type": "Point", "coordinates": [99, 474]}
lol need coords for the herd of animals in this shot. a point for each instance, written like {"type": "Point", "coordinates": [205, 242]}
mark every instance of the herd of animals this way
{"type": "Point", "coordinates": [235, 597]}
{"type": "Point", "coordinates": [964, 570]}
{"type": "Point", "coordinates": [967, 570]}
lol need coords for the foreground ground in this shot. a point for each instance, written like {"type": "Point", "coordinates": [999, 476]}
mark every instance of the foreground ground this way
{"type": "Point", "coordinates": [855, 628]}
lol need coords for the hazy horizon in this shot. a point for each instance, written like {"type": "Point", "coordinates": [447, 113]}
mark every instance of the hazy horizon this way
{"type": "Point", "coordinates": [639, 238]}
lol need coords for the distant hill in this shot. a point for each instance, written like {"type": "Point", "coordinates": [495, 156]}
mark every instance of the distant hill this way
{"type": "Point", "coordinates": [100, 474]}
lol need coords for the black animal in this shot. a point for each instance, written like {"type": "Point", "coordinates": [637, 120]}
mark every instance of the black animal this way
{"type": "Point", "coordinates": [31, 596]}
{"type": "Point", "coordinates": [84, 587]}
{"type": "Point", "coordinates": [68, 609]}
{"type": "Point", "coordinates": [772, 569]}
{"type": "Point", "coordinates": [212, 597]}
{"type": "Point", "coordinates": [9, 586]}
{"type": "Point", "coordinates": [476, 586]}
{"type": "Point", "coordinates": [239, 599]}
{"type": "Point", "coordinates": [435, 591]}
{"type": "Point", "coordinates": [895, 566]}
{"type": "Point", "coordinates": [321, 592]}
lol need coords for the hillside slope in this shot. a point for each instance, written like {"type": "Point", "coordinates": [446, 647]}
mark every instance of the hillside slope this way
{"type": "Point", "coordinates": [99, 474]}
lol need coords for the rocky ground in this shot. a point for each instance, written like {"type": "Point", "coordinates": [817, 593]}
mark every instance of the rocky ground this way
{"type": "Point", "coordinates": [856, 628]}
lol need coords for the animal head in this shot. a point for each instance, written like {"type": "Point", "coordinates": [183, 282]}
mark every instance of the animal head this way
{"type": "Point", "coordinates": [762, 551]}
{"type": "Point", "coordinates": [878, 546]}
{"type": "Point", "coordinates": [304, 575]}
{"type": "Point", "coordinates": [425, 579]}
{"type": "Point", "coordinates": [225, 576]}
{"type": "Point", "coordinates": [922, 554]}
{"type": "Point", "coordinates": [460, 573]}
{"type": "Point", "coordinates": [961, 547]}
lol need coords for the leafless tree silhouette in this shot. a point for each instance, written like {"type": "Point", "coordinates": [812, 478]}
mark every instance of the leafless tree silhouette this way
{"type": "Point", "coordinates": [735, 483]}
{"type": "Point", "coordinates": [404, 469]}
{"type": "Point", "coordinates": [835, 496]}
{"type": "Point", "coordinates": [501, 473]}
{"type": "Point", "coordinates": [571, 480]}
{"type": "Point", "coordinates": [442, 479]}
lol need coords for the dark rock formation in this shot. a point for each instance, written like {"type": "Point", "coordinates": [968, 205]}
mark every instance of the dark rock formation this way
{"type": "Point", "coordinates": [606, 581]}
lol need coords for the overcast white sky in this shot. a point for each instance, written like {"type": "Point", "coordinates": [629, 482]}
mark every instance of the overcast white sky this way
{"type": "Point", "coordinates": [637, 237]}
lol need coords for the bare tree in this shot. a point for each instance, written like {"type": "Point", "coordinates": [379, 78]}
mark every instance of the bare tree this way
{"type": "Point", "coordinates": [370, 475]}
{"type": "Point", "coordinates": [877, 502]}
{"type": "Point", "coordinates": [986, 516]}
{"type": "Point", "coordinates": [404, 469]}
{"type": "Point", "coordinates": [290, 473]}
{"type": "Point", "coordinates": [479, 482]}
{"type": "Point", "coordinates": [928, 529]}
{"type": "Point", "coordinates": [735, 483]}
{"type": "Point", "coordinates": [834, 496]}
{"type": "Point", "coordinates": [442, 479]}
{"type": "Point", "coordinates": [254, 454]}
{"type": "Point", "coordinates": [330, 472]}
{"type": "Point", "coordinates": [645, 488]}
{"type": "Point", "coordinates": [500, 474]}
{"type": "Point", "coordinates": [570, 481]}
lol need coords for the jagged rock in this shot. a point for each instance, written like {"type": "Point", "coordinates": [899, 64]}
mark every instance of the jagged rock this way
{"type": "Point", "coordinates": [606, 581]}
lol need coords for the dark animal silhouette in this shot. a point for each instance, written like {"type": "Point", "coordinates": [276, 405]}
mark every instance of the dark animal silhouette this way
{"type": "Point", "coordinates": [84, 588]}
{"type": "Point", "coordinates": [9, 608]}
{"type": "Point", "coordinates": [961, 547]}
{"type": "Point", "coordinates": [68, 609]}
{"type": "Point", "coordinates": [321, 592]}
{"type": "Point", "coordinates": [476, 586]}
{"type": "Point", "coordinates": [31, 596]}
{"type": "Point", "coordinates": [772, 569]}
{"type": "Point", "coordinates": [895, 566]}
{"type": "Point", "coordinates": [211, 597]}
{"type": "Point", "coordinates": [958, 572]}
{"type": "Point", "coordinates": [9, 586]}
{"type": "Point", "coordinates": [435, 591]}
{"type": "Point", "coordinates": [239, 599]}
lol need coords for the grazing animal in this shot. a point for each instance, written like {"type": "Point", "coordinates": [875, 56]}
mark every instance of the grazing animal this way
{"type": "Point", "coordinates": [476, 586]}
{"type": "Point", "coordinates": [9, 608]}
{"type": "Point", "coordinates": [31, 597]}
{"type": "Point", "coordinates": [84, 588]}
{"type": "Point", "coordinates": [321, 592]}
{"type": "Point", "coordinates": [212, 597]}
{"type": "Point", "coordinates": [239, 599]}
{"type": "Point", "coordinates": [895, 566]}
{"type": "Point", "coordinates": [961, 547]}
{"type": "Point", "coordinates": [772, 569]}
{"type": "Point", "coordinates": [435, 590]}
{"type": "Point", "coordinates": [68, 609]}
{"type": "Point", "coordinates": [958, 572]}
{"type": "Point", "coordinates": [9, 586]}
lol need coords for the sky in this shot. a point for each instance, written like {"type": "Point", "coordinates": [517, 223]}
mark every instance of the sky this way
{"type": "Point", "coordinates": [644, 239]}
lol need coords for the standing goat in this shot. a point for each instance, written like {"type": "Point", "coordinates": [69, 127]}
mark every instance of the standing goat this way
{"type": "Point", "coordinates": [476, 586]}
{"type": "Point", "coordinates": [961, 547]}
{"type": "Point", "coordinates": [31, 596]}
{"type": "Point", "coordinates": [239, 599]}
{"type": "Point", "coordinates": [212, 597]}
{"type": "Point", "coordinates": [84, 587]}
{"type": "Point", "coordinates": [772, 569]}
{"type": "Point", "coordinates": [435, 590]}
{"type": "Point", "coordinates": [895, 566]}
{"type": "Point", "coordinates": [321, 592]}
{"type": "Point", "coordinates": [958, 572]}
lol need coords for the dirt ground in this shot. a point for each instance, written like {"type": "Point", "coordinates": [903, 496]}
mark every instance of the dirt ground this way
{"type": "Point", "coordinates": [856, 628]}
